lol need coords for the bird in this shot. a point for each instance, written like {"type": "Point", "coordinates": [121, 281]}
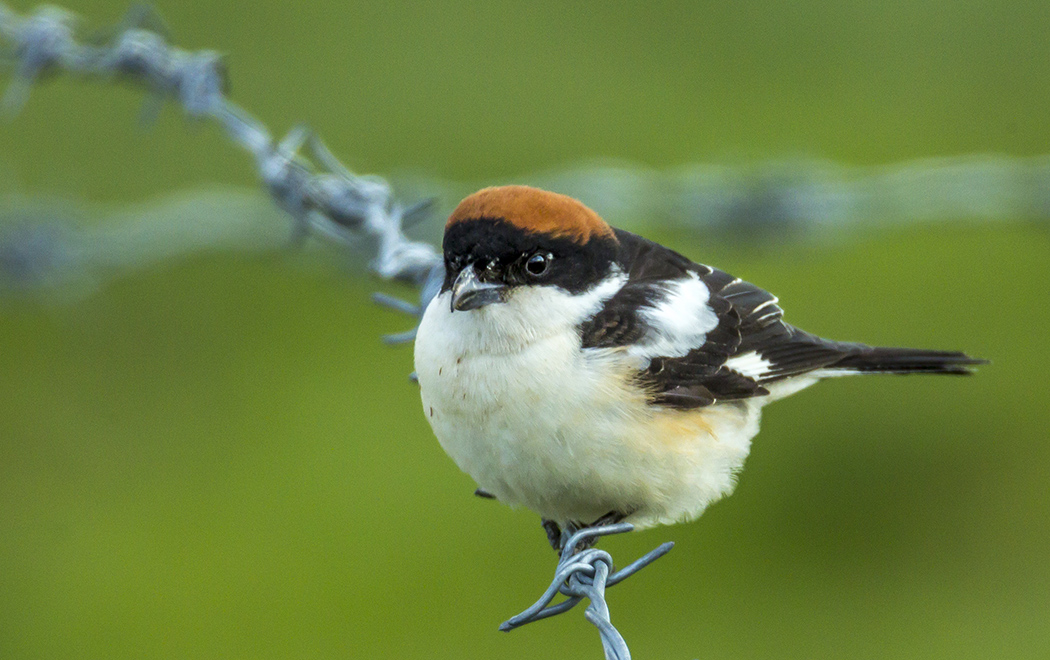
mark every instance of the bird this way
{"type": "Point", "coordinates": [596, 377]}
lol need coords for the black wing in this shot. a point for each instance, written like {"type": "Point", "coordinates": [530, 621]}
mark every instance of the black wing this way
{"type": "Point", "coordinates": [749, 321]}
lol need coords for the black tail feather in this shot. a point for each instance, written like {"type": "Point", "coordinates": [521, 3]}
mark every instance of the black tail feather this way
{"type": "Point", "coordinates": [907, 361]}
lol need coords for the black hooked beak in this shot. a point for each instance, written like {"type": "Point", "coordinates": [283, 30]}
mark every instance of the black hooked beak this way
{"type": "Point", "coordinates": [468, 292]}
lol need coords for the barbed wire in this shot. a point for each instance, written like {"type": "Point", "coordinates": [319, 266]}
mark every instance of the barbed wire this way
{"type": "Point", "coordinates": [586, 574]}
{"type": "Point", "coordinates": [818, 201]}
{"type": "Point", "coordinates": [793, 198]}
{"type": "Point", "coordinates": [764, 201]}
{"type": "Point", "coordinates": [320, 194]}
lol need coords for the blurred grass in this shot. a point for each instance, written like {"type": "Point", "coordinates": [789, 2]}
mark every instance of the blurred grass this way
{"type": "Point", "coordinates": [218, 459]}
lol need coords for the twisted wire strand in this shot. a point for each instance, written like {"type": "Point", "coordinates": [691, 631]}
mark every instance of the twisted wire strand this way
{"type": "Point", "coordinates": [321, 194]}
{"type": "Point", "coordinates": [798, 198]}
{"type": "Point", "coordinates": [587, 574]}
{"type": "Point", "coordinates": [767, 201]}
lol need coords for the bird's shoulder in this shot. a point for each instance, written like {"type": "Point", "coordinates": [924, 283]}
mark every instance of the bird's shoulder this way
{"type": "Point", "coordinates": [702, 334]}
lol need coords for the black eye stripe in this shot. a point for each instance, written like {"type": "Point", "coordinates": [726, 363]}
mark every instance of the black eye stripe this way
{"type": "Point", "coordinates": [570, 265]}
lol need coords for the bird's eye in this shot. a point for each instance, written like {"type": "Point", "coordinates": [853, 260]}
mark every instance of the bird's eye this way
{"type": "Point", "coordinates": [538, 263]}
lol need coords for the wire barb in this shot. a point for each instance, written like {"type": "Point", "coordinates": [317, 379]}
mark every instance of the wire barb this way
{"type": "Point", "coordinates": [586, 574]}
{"type": "Point", "coordinates": [321, 194]}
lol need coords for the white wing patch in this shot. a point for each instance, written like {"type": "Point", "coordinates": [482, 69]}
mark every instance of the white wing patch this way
{"type": "Point", "coordinates": [750, 364]}
{"type": "Point", "coordinates": [678, 323]}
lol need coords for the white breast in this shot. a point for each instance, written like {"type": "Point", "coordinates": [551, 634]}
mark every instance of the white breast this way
{"type": "Point", "coordinates": [538, 422]}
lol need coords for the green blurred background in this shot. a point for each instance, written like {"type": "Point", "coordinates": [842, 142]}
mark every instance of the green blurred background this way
{"type": "Point", "coordinates": [218, 459]}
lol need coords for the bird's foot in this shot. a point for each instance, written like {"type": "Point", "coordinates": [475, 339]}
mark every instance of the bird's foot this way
{"type": "Point", "coordinates": [554, 532]}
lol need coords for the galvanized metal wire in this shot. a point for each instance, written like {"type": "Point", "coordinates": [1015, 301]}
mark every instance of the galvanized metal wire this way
{"type": "Point", "coordinates": [587, 574]}
{"type": "Point", "coordinates": [318, 191]}
{"type": "Point", "coordinates": [809, 198]}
